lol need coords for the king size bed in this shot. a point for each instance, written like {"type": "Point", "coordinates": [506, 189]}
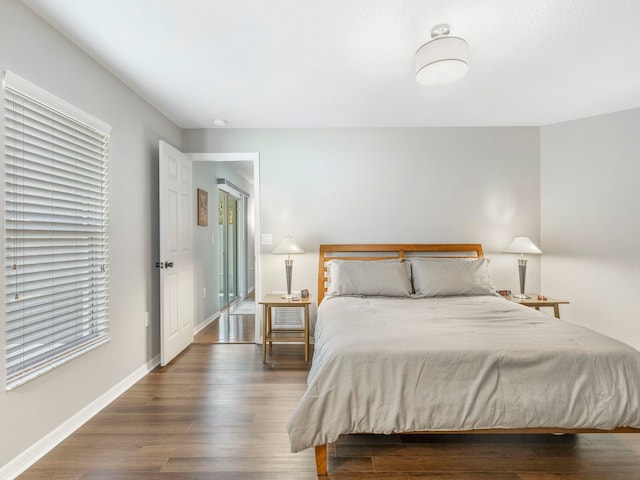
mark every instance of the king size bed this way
{"type": "Point", "coordinates": [413, 338]}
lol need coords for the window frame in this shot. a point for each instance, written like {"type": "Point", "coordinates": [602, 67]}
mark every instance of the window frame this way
{"type": "Point", "coordinates": [64, 199]}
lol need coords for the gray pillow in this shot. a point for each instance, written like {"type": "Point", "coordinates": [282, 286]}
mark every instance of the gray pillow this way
{"type": "Point", "coordinates": [381, 278]}
{"type": "Point", "coordinates": [442, 277]}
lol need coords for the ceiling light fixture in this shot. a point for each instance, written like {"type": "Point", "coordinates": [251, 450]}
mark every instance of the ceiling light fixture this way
{"type": "Point", "coordinates": [219, 122]}
{"type": "Point", "coordinates": [442, 60]}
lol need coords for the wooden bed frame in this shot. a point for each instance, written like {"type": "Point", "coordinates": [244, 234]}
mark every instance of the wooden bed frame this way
{"type": "Point", "coordinates": [402, 251]}
{"type": "Point", "coordinates": [389, 251]}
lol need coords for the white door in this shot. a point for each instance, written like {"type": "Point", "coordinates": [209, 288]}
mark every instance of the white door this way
{"type": "Point", "coordinates": [176, 252]}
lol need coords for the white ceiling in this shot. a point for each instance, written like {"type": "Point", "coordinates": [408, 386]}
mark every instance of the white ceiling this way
{"type": "Point", "coordinates": [349, 63]}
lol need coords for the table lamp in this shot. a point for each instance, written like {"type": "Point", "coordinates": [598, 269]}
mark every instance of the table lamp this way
{"type": "Point", "coordinates": [523, 246]}
{"type": "Point", "coordinates": [288, 246]}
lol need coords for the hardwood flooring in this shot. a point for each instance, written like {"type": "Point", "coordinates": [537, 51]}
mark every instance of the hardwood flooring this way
{"type": "Point", "coordinates": [229, 329]}
{"type": "Point", "coordinates": [218, 413]}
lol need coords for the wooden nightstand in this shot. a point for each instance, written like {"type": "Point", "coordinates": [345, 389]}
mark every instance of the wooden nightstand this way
{"type": "Point", "coordinates": [535, 303]}
{"type": "Point", "coordinates": [269, 335]}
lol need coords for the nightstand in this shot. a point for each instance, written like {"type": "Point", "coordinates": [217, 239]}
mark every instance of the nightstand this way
{"type": "Point", "coordinates": [535, 303]}
{"type": "Point", "coordinates": [295, 335]}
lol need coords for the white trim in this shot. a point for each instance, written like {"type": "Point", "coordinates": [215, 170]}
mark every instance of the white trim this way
{"type": "Point", "coordinates": [47, 443]}
{"type": "Point", "coordinates": [202, 325]}
{"type": "Point", "coordinates": [225, 157]}
{"type": "Point", "coordinates": [228, 187]}
{"type": "Point", "coordinates": [19, 84]}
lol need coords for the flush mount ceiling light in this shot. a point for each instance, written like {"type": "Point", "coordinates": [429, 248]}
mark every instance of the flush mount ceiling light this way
{"type": "Point", "coordinates": [443, 60]}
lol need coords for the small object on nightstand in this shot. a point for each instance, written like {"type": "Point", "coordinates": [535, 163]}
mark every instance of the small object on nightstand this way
{"type": "Point", "coordinates": [304, 293]}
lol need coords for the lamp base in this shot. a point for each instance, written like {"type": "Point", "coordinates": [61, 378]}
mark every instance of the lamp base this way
{"type": "Point", "coordinates": [291, 296]}
{"type": "Point", "coordinates": [288, 266]}
{"type": "Point", "coordinates": [522, 270]}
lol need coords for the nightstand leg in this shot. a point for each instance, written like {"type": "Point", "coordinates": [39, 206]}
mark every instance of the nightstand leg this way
{"type": "Point", "coordinates": [265, 313]}
{"type": "Point", "coordinates": [270, 327]}
{"type": "Point", "coordinates": [556, 310]}
{"type": "Point", "coordinates": [306, 333]}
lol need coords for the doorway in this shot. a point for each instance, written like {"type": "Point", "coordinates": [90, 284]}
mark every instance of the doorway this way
{"type": "Point", "coordinates": [227, 251]}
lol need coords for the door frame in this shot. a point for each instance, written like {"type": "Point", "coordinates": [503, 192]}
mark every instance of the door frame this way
{"type": "Point", "coordinates": [255, 158]}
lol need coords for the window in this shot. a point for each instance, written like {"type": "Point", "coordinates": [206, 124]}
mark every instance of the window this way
{"type": "Point", "coordinates": [56, 231]}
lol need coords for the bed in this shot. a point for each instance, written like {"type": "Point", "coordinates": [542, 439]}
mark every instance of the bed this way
{"type": "Point", "coordinates": [413, 338]}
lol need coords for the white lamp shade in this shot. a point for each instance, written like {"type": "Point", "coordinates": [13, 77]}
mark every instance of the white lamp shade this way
{"type": "Point", "coordinates": [441, 61]}
{"type": "Point", "coordinates": [522, 245]}
{"type": "Point", "coordinates": [288, 245]}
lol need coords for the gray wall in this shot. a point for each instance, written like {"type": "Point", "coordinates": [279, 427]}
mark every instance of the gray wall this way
{"type": "Point", "coordinates": [33, 50]}
{"type": "Point", "coordinates": [389, 185]}
{"type": "Point", "coordinates": [590, 208]}
{"type": "Point", "coordinates": [204, 251]}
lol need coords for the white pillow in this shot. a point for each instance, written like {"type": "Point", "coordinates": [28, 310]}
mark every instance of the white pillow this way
{"type": "Point", "coordinates": [381, 278]}
{"type": "Point", "coordinates": [442, 277]}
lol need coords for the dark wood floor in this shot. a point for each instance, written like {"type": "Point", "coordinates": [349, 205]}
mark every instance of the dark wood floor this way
{"type": "Point", "coordinates": [229, 328]}
{"type": "Point", "coordinates": [218, 413]}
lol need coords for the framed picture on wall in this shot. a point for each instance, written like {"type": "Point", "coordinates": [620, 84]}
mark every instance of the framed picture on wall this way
{"type": "Point", "coordinates": [203, 207]}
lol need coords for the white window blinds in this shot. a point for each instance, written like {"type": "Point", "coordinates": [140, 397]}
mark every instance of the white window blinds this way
{"type": "Point", "coordinates": [56, 231]}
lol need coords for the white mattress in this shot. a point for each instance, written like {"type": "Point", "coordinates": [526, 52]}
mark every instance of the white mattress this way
{"type": "Point", "coordinates": [385, 365]}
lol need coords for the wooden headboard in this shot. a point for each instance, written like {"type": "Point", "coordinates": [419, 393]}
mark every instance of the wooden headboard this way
{"type": "Point", "coordinates": [386, 251]}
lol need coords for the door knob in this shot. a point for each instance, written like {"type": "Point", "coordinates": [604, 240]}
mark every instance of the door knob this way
{"type": "Point", "coordinates": [159, 265]}
{"type": "Point", "coordinates": [168, 264]}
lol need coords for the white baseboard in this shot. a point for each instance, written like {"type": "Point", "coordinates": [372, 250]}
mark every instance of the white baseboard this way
{"type": "Point", "coordinates": [198, 328]}
{"type": "Point", "coordinates": [43, 446]}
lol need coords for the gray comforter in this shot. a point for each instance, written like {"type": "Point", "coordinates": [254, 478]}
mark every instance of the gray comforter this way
{"type": "Point", "coordinates": [385, 365]}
